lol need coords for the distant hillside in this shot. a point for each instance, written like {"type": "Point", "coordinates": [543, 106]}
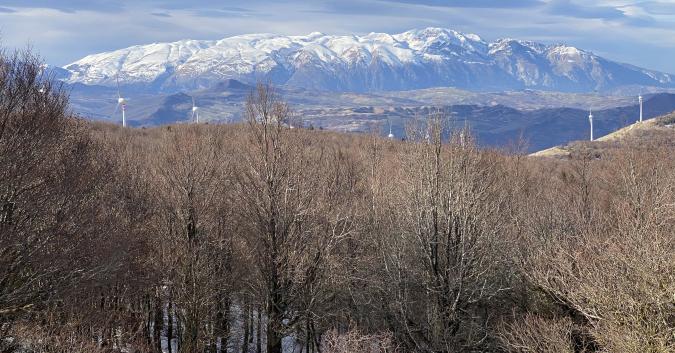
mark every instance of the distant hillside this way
{"type": "Point", "coordinates": [496, 119]}
{"type": "Point", "coordinates": [659, 131]}
{"type": "Point", "coordinates": [500, 125]}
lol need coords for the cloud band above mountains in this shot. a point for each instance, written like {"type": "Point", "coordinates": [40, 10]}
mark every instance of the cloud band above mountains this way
{"type": "Point", "coordinates": [625, 30]}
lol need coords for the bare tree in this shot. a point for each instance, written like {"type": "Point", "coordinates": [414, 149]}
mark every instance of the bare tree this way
{"type": "Point", "coordinates": [48, 185]}
{"type": "Point", "coordinates": [443, 258]}
{"type": "Point", "coordinates": [601, 272]}
{"type": "Point", "coordinates": [290, 214]}
{"type": "Point", "coordinates": [193, 244]}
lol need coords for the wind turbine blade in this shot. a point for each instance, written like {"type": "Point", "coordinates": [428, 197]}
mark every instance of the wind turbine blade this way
{"type": "Point", "coordinates": [192, 117]}
{"type": "Point", "coordinates": [193, 102]}
{"type": "Point", "coordinates": [117, 107]}
{"type": "Point", "coordinates": [119, 95]}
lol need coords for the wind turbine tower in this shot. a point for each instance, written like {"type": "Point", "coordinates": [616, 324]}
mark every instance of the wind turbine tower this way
{"type": "Point", "coordinates": [391, 134]}
{"type": "Point", "coordinates": [640, 100]}
{"type": "Point", "coordinates": [121, 102]}
{"type": "Point", "coordinates": [42, 88]}
{"type": "Point", "coordinates": [590, 119]}
{"type": "Point", "coordinates": [195, 111]}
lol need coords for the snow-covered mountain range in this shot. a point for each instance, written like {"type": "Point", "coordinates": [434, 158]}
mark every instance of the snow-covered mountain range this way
{"type": "Point", "coordinates": [431, 57]}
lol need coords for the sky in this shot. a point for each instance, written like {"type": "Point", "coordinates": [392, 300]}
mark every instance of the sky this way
{"type": "Point", "coordinates": [639, 32]}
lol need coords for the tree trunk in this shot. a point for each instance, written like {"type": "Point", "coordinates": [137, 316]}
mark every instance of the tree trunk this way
{"type": "Point", "coordinates": [169, 326]}
{"type": "Point", "coordinates": [274, 335]}
{"type": "Point", "coordinates": [258, 333]}
{"type": "Point", "coordinates": [247, 327]}
{"type": "Point", "coordinates": [222, 323]}
{"type": "Point", "coordinates": [308, 339]}
{"type": "Point", "coordinates": [157, 325]}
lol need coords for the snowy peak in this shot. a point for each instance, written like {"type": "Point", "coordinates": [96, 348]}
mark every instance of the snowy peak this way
{"type": "Point", "coordinates": [137, 64]}
{"type": "Point", "coordinates": [508, 46]}
{"type": "Point", "coordinates": [433, 39]}
{"type": "Point", "coordinates": [418, 58]}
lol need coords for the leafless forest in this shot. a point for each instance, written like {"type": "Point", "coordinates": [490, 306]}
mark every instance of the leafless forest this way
{"type": "Point", "coordinates": [257, 237]}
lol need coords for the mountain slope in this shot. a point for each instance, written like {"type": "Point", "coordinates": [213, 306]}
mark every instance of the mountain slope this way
{"type": "Point", "coordinates": [431, 57]}
{"type": "Point", "coordinates": [654, 132]}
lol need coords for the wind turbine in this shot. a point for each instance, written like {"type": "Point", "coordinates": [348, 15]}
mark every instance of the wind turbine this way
{"type": "Point", "coordinates": [640, 100]}
{"type": "Point", "coordinates": [391, 134]}
{"type": "Point", "coordinates": [121, 101]}
{"type": "Point", "coordinates": [42, 88]}
{"type": "Point", "coordinates": [590, 119]}
{"type": "Point", "coordinates": [195, 111]}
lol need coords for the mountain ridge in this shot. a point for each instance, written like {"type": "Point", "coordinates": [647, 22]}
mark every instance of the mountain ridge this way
{"type": "Point", "coordinates": [415, 59]}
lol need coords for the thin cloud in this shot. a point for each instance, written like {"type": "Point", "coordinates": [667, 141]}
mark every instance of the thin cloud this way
{"type": "Point", "coordinates": [224, 12]}
{"type": "Point", "coordinates": [657, 7]}
{"type": "Point", "coordinates": [67, 6]}
{"type": "Point", "coordinates": [491, 4]}
{"type": "Point", "coordinates": [571, 9]}
{"type": "Point", "coordinates": [356, 7]}
{"type": "Point", "coordinates": [60, 32]}
{"type": "Point", "coordinates": [238, 6]}
{"type": "Point", "coordinates": [624, 14]}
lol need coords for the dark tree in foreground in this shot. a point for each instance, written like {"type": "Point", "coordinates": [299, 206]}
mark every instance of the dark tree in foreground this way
{"type": "Point", "coordinates": [48, 186]}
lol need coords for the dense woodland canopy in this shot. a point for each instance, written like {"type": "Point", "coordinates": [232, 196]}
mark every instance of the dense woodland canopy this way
{"type": "Point", "coordinates": [255, 237]}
